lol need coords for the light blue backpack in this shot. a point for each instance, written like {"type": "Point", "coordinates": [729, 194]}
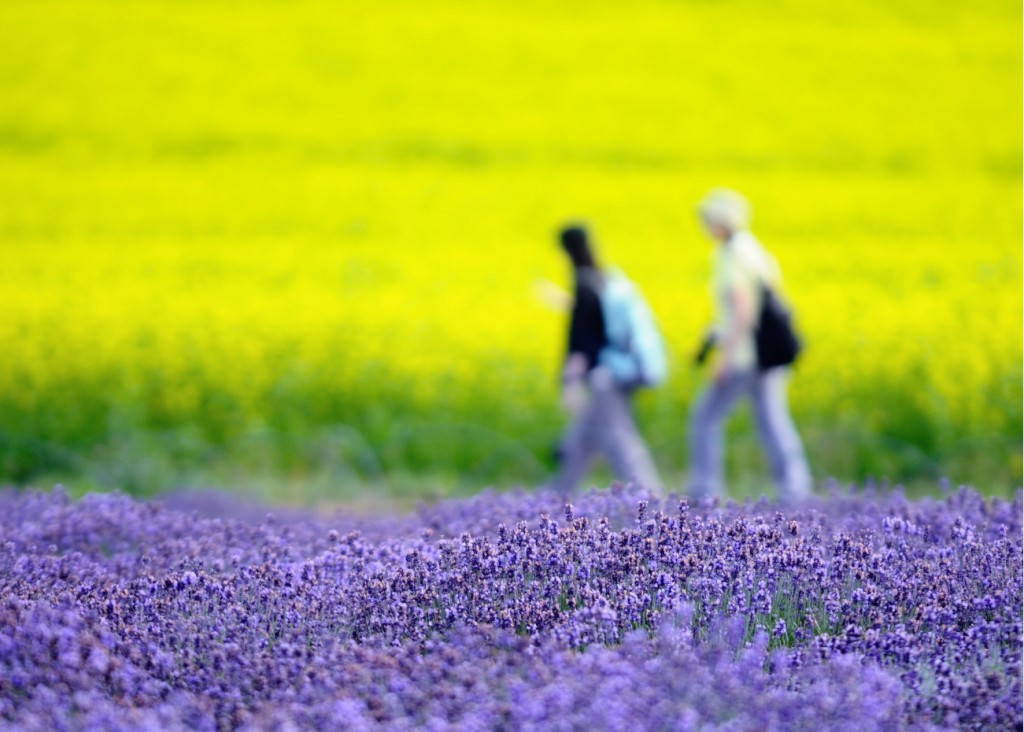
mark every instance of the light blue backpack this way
{"type": "Point", "coordinates": [635, 353]}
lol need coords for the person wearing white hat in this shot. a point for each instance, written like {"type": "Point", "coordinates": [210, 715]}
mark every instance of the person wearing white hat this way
{"type": "Point", "coordinates": [741, 269]}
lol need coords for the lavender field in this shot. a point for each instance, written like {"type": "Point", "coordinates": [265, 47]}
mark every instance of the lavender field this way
{"type": "Point", "coordinates": [860, 611]}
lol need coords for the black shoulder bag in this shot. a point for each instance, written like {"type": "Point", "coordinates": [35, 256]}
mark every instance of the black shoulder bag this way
{"type": "Point", "coordinates": [777, 343]}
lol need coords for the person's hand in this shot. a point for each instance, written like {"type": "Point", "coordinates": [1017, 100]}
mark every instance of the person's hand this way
{"type": "Point", "coordinates": [707, 345]}
{"type": "Point", "coordinates": [601, 379]}
{"type": "Point", "coordinates": [574, 383]}
{"type": "Point", "coordinates": [574, 396]}
{"type": "Point", "coordinates": [552, 296]}
{"type": "Point", "coordinates": [719, 372]}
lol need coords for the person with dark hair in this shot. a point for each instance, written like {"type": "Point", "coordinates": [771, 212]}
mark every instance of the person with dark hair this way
{"type": "Point", "coordinates": [609, 328]}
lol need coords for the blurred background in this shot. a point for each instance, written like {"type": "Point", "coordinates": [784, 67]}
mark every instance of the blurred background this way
{"type": "Point", "coordinates": [290, 247]}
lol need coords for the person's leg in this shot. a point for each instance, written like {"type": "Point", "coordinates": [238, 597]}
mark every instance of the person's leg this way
{"type": "Point", "coordinates": [766, 430]}
{"type": "Point", "coordinates": [621, 441]}
{"type": "Point", "coordinates": [779, 436]}
{"type": "Point", "coordinates": [705, 433]}
{"type": "Point", "coordinates": [576, 450]}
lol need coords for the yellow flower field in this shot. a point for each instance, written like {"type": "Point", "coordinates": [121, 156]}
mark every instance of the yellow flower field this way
{"type": "Point", "coordinates": [303, 238]}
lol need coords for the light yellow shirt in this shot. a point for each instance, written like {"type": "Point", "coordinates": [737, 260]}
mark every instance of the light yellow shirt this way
{"type": "Point", "coordinates": [740, 264]}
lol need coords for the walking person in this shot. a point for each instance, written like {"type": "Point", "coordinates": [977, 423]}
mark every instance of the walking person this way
{"type": "Point", "coordinates": [613, 349]}
{"type": "Point", "coordinates": [744, 277]}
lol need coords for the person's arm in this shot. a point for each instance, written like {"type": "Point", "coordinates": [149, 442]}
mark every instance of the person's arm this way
{"type": "Point", "coordinates": [586, 339]}
{"type": "Point", "coordinates": [586, 328]}
{"type": "Point", "coordinates": [552, 296]}
{"type": "Point", "coordinates": [742, 322]}
{"type": "Point", "coordinates": [574, 379]}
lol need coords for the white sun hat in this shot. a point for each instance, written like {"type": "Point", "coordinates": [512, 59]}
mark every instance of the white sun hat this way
{"type": "Point", "coordinates": [726, 208]}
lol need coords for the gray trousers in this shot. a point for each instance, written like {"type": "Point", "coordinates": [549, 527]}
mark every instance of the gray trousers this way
{"type": "Point", "coordinates": [605, 426]}
{"type": "Point", "coordinates": [767, 393]}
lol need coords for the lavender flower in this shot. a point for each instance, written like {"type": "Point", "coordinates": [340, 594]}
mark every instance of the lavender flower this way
{"type": "Point", "coordinates": [511, 611]}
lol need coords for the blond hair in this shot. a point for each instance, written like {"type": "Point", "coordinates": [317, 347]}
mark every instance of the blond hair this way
{"type": "Point", "coordinates": [725, 207]}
